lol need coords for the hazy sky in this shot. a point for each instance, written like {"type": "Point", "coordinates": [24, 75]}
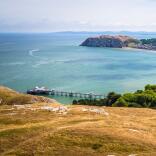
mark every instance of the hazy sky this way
{"type": "Point", "coordinates": [77, 15]}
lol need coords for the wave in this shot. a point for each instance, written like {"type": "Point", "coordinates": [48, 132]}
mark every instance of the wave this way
{"type": "Point", "coordinates": [32, 51]}
{"type": "Point", "coordinates": [39, 63]}
{"type": "Point", "coordinates": [12, 64]}
{"type": "Point", "coordinates": [45, 61]}
{"type": "Point", "coordinates": [6, 43]}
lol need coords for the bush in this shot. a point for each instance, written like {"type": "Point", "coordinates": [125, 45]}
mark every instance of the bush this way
{"type": "Point", "coordinates": [120, 103]}
{"type": "Point", "coordinates": [74, 102]}
{"type": "Point", "coordinates": [140, 98]}
{"type": "Point", "coordinates": [149, 41]}
{"type": "Point", "coordinates": [112, 98]}
{"type": "Point", "coordinates": [150, 87]}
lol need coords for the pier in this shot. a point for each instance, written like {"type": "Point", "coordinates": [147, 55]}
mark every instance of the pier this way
{"type": "Point", "coordinates": [44, 91]}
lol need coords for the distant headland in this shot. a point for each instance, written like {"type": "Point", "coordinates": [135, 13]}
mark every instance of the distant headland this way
{"type": "Point", "coordinates": [120, 41]}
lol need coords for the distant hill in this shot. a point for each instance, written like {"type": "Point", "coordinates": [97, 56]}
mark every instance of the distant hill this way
{"type": "Point", "coordinates": [119, 41]}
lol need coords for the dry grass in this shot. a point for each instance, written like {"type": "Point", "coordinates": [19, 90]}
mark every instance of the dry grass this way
{"type": "Point", "coordinates": [29, 130]}
{"type": "Point", "coordinates": [10, 97]}
{"type": "Point", "coordinates": [124, 131]}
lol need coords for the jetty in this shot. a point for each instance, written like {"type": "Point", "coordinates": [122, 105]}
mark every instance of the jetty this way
{"type": "Point", "coordinates": [53, 92]}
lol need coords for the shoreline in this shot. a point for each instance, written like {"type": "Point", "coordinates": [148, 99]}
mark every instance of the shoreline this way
{"type": "Point", "coordinates": [144, 50]}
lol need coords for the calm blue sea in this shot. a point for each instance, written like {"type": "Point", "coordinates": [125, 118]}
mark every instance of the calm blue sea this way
{"type": "Point", "coordinates": [56, 60]}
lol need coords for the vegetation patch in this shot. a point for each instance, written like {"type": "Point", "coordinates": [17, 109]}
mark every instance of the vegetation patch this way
{"type": "Point", "coordinates": [141, 98]}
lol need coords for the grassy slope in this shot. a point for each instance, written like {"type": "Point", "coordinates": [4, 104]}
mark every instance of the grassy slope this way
{"type": "Point", "coordinates": [124, 131]}
{"type": "Point", "coordinates": [10, 97]}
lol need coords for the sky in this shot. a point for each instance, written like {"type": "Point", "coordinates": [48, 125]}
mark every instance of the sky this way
{"type": "Point", "coordinates": [77, 15]}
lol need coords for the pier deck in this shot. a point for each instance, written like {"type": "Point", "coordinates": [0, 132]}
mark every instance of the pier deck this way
{"type": "Point", "coordinates": [65, 93]}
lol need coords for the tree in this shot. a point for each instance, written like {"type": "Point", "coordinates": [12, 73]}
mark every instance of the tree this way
{"type": "Point", "coordinates": [112, 98]}
{"type": "Point", "coordinates": [150, 87]}
{"type": "Point", "coordinates": [120, 103]}
{"type": "Point", "coordinates": [75, 102]}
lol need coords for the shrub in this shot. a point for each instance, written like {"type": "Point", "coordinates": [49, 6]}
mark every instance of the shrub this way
{"type": "Point", "coordinates": [140, 98]}
{"type": "Point", "coordinates": [120, 103]}
{"type": "Point", "coordinates": [150, 87]}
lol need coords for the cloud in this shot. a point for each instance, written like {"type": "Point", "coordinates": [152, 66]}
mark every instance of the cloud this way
{"type": "Point", "coordinates": [58, 15]}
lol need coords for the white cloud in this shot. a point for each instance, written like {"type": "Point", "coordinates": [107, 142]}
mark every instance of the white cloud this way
{"type": "Point", "coordinates": [58, 15]}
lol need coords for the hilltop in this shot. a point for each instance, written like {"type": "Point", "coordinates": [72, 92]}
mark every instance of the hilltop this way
{"type": "Point", "coordinates": [119, 41]}
{"type": "Point", "coordinates": [44, 128]}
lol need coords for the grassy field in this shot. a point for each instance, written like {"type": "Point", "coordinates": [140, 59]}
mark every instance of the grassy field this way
{"type": "Point", "coordinates": [123, 131]}
{"type": "Point", "coordinates": [78, 131]}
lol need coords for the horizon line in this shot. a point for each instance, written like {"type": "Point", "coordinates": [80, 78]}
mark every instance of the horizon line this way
{"type": "Point", "coordinates": [111, 31]}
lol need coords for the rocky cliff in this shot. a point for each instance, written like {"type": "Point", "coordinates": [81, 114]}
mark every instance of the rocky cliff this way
{"type": "Point", "coordinates": [110, 41]}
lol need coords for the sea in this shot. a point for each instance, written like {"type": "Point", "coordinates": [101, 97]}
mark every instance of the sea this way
{"type": "Point", "coordinates": [56, 61]}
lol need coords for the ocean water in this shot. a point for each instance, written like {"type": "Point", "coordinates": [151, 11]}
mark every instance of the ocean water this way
{"type": "Point", "coordinates": [56, 60]}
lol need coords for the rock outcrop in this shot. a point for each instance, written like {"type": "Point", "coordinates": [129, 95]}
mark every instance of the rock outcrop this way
{"type": "Point", "coordinates": [110, 41]}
